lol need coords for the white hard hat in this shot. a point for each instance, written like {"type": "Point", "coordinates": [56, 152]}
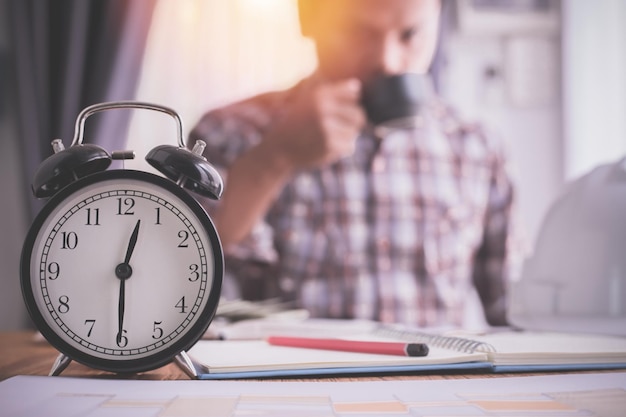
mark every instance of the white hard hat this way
{"type": "Point", "coordinates": [576, 278]}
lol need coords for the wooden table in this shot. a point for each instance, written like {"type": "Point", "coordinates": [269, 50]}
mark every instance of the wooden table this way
{"type": "Point", "coordinates": [27, 353]}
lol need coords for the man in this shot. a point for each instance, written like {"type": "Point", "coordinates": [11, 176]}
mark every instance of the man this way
{"type": "Point", "coordinates": [319, 210]}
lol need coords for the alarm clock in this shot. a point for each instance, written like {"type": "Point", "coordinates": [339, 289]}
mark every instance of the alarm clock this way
{"type": "Point", "coordinates": [122, 269]}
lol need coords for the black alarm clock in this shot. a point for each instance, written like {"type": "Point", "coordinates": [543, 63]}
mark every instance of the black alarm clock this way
{"type": "Point", "coordinates": [122, 269]}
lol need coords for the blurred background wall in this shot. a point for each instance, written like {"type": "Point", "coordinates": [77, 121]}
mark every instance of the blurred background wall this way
{"type": "Point", "coordinates": [549, 76]}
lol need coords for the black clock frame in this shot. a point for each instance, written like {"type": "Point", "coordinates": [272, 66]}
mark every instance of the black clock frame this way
{"type": "Point", "coordinates": [123, 365]}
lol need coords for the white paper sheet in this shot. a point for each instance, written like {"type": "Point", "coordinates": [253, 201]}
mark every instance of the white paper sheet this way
{"type": "Point", "coordinates": [602, 394]}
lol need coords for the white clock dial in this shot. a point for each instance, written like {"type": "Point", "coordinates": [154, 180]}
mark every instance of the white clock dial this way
{"type": "Point", "coordinates": [124, 267]}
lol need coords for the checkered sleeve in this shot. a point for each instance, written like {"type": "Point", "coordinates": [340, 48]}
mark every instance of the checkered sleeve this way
{"type": "Point", "coordinates": [229, 132]}
{"type": "Point", "coordinates": [492, 260]}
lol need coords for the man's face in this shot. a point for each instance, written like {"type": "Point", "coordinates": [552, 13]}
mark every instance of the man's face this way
{"type": "Point", "coordinates": [364, 38]}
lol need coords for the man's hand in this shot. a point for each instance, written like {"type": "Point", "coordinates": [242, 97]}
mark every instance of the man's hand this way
{"type": "Point", "coordinates": [320, 125]}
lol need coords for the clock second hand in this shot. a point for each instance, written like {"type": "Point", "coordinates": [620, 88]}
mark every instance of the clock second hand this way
{"type": "Point", "coordinates": [124, 271]}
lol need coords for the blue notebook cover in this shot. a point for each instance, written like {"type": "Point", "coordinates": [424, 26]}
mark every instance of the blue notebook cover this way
{"type": "Point", "coordinates": [498, 351]}
{"type": "Point", "coordinates": [346, 371]}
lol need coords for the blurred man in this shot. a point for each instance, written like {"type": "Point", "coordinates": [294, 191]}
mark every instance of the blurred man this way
{"type": "Point", "coordinates": [320, 210]}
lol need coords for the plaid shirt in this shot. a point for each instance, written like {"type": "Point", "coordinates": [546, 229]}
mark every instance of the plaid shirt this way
{"type": "Point", "coordinates": [402, 231]}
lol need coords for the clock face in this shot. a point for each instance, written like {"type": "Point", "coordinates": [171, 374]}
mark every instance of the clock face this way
{"type": "Point", "coordinates": [122, 270]}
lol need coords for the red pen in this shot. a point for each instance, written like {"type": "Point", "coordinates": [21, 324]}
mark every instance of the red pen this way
{"type": "Point", "coordinates": [382, 348]}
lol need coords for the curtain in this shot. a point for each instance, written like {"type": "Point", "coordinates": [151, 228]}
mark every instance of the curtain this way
{"type": "Point", "coordinates": [70, 54]}
{"type": "Point", "coordinates": [202, 54]}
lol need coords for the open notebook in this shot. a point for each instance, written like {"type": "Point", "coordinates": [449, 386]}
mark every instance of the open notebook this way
{"type": "Point", "coordinates": [503, 351]}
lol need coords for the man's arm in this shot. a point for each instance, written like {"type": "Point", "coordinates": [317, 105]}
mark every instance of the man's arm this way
{"type": "Point", "coordinates": [319, 126]}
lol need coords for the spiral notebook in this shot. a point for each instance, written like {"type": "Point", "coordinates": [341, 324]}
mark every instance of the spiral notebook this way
{"type": "Point", "coordinates": [502, 351]}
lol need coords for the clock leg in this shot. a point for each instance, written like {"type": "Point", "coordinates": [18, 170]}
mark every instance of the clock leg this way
{"type": "Point", "coordinates": [185, 363]}
{"type": "Point", "coordinates": [59, 365]}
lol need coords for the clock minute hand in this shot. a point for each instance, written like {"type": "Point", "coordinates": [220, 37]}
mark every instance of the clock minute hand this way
{"type": "Point", "coordinates": [120, 311]}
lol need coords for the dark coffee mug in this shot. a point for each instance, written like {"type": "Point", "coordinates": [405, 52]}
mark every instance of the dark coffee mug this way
{"type": "Point", "coordinates": [394, 100]}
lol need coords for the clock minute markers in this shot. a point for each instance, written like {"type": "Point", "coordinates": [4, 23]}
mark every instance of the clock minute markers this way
{"type": "Point", "coordinates": [124, 271]}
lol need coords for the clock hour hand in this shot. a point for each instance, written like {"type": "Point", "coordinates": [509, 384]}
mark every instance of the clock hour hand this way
{"type": "Point", "coordinates": [123, 271]}
{"type": "Point", "coordinates": [132, 243]}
